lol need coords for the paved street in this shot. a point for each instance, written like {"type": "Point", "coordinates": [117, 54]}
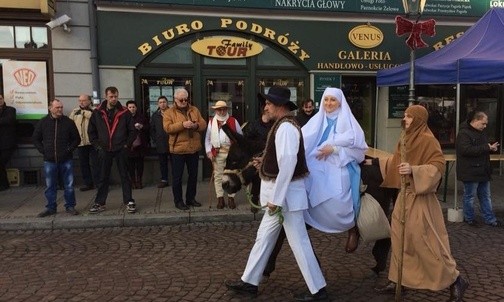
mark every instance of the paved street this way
{"type": "Point", "coordinates": [189, 262]}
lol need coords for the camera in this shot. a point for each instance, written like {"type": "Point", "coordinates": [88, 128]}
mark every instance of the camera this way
{"type": "Point", "coordinates": [60, 21]}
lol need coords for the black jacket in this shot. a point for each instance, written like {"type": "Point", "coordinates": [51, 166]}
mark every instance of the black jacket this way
{"type": "Point", "coordinates": [302, 118]}
{"type": "Point", "coordinates": [56, 139]}
{"type": "Point", "coordinates": [473, 155]}
{"type": "Point", "coordinates": [158, 134]}
{"type": "Point", "coordinates": [7, 127]}
{"type": "Point", "coordinates": [112, 134]}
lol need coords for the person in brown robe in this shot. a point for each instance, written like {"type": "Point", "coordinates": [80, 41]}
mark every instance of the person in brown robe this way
{"type": "Point", "coordinates": [427, 259]}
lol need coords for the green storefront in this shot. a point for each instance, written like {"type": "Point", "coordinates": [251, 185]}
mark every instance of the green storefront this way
{"type": "Point", "coordinates": [211, 48]}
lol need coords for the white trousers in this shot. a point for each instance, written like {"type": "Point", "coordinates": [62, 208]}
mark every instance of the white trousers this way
{"type": "Point", "coordinates": [297, 236]}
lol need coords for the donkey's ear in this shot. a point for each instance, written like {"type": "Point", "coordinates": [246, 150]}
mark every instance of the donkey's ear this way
{"type": "Point", "coordinates": [233, 136]}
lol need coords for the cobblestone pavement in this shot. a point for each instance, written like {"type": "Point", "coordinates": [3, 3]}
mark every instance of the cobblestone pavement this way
{"type": "Point", "coordinates": [189, 262]}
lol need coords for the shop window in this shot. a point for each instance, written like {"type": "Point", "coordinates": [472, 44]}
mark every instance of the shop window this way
{"type": "Point", "coordinates": [33, 37]}
{"type": "Point", "coordinates": [270, 57]}
{"type": "Point", "coordinates": [6, 36]}
{"type": "Point", "coordinates": [360, 95]}
{"type": "Point", "coordinates": [39, 37]}
{"type": "Point", "coordinates": [229, 90]}
{"type": "Point", "coordinates": [179, 54]}
{"type": "Point", "coordinates": [220, 62]}
{"type": "Point", "coordinates": [295, 85]}
{"type": "Point", "coordinates": [154, 87]}
{"type": "Point", "coordinates": [439, 100]}
{"type": "Point", "coordinates": [486, 99]}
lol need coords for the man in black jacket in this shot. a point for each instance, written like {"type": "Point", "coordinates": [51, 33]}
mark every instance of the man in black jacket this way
{"type": "Point", "coordinates": [473, 167]}
{"type": "Point", "coordinates": [111, 130]}
{"type": "Point", "coordinates": [56, 137]}
{"type": "Point", "coordinates": [160, 139]}
{"type": "Point", "coordinates": [7, 139]}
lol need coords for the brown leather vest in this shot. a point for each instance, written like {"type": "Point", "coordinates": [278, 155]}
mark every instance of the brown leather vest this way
{"type": "Point", "coordinates": [269, 166]}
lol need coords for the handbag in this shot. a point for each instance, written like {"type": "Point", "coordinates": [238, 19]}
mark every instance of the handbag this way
{"type": "Point", "coordinates": [372, 222]}
{"type": "Point", "coordinates": [137, 142]}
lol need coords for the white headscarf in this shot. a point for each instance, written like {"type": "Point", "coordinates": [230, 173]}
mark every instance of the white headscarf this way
{"type": "Point", "coordinates": [349, 132]}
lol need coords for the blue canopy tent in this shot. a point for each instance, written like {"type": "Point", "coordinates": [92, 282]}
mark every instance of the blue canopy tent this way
{"type": "Point", "coordinates": [477, 57]}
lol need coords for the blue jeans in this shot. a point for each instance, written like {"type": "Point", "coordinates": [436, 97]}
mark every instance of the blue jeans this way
{"type": "Point", "coordinates": [178, 162]}
{"type": "Point", "coordinates": [482, 190]}
{"type": "Point", "coordinates": [51, 171]}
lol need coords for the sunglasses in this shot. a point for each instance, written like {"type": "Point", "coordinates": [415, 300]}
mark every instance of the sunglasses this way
{"type": "Point", "coordinates": [182, 100]}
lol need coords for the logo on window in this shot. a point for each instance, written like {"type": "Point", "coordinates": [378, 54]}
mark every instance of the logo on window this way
{"type": "Point", "coordinates": [24, 76]}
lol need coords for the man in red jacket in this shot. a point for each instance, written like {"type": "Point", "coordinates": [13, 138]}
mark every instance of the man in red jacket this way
{"type": "Point", "coordinates": [112, 132]}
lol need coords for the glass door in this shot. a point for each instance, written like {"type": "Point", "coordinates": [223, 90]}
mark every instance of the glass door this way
{"type": "Point", "coordinates": [230, 90]}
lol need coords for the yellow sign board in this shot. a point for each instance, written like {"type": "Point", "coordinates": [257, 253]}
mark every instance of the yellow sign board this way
{"type": "Point", "coordinates": [223, 47]}
{"type": "Point", "coordinates": [365, 36]}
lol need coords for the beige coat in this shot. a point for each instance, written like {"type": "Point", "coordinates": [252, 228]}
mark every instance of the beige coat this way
{"type": "Point", "coordinates": [81, 120]}
{"type": "Point", "coordinates": [427, 262]}
{"type": "Point", "coordinates": [183, 141]}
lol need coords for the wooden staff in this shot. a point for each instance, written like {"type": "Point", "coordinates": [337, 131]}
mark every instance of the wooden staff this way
{"type": "Point", "coordinates": [402, 198]}
{"type": "Point", "coordinates": [212, 185]}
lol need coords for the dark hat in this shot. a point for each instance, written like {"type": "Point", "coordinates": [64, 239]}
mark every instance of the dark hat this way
{"type": "Point", "coordinates": [278, 96]}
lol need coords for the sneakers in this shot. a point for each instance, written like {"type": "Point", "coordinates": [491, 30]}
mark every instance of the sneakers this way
{"type": "Point", "coordinates": [71, 211]}
{"type": "Point", "coordinates": [97, 208]}
{"type": "Point", "coordinates": [472, 223]}
{"type": "Point", "coordinates": [162, 184]}
{"type": "Point", "coordinates": [86, 188]}
{"type": "Point", "coordinates": [131, 207]}
{"type": "Point", "coordinates": [496, 223]}
{"type": "Point", "coordinates": [46, 213]}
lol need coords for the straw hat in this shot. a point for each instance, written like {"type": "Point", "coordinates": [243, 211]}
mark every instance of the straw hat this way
{"type": "Point", "coordinates": [220, 104]}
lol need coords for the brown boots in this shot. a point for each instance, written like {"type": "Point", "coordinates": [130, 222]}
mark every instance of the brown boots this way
{"type": "Point", "coordinates": [353, 240]}
{"type": "Point", "coordinates": [231, 203]}
{"type": "Point", "coordinates": [221, 204]}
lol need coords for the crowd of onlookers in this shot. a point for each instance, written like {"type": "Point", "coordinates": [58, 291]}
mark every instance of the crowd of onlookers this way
{"type": "Point", "coordinates": [111, 131]}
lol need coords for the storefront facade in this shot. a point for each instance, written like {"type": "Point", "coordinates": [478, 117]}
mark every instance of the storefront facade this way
{"type": "Point", "coordinates": [226, 50]}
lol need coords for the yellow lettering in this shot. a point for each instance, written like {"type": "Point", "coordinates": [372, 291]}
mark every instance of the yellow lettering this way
{"type": "Point", "coordinates": [145, 48]}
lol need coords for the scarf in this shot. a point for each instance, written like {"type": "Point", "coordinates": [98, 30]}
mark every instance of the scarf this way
{"type": "Point", "coordinates": [215, 128]}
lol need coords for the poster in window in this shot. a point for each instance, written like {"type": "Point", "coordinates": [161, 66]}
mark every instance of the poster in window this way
{"type": "Point", "coordinates": [25, 88]}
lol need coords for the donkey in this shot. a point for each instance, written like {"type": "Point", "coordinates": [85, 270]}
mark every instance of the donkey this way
{"type": "Point", "coordinates": [239, 172]}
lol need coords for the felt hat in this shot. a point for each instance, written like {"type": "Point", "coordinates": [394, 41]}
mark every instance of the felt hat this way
{"type": "Point", "coordinates": [220, 104]}
{"type": "Point", "coordinates": [278, 96]}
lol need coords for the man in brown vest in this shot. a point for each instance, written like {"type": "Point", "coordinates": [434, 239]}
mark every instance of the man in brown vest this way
{"type": "Point", "coordinates": [282, 170]}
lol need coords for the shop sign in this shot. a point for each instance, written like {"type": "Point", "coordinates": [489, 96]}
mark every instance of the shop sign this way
{"type": "Point", "coordinates": [365, 36]}
{"type": "Point", "coordinates": [223, 47]}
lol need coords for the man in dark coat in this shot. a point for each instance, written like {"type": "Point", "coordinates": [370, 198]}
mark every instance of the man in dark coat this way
{"type": "Point", "coordinates": [473, 167]}
{"type": "Point", "coordinates": [306, 112]}
{"type": "Point", "coordinates": [56, 137]}
{"type": "Point", "coordinates": [112, 132]}
{"type": "Point", "coordinates": [160, 139]}
{"type": "Point", "coordinates": [7, 139]}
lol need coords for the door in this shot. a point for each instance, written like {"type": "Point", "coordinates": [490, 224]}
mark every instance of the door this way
{"type": "Point", "coordinates": [232, 91]}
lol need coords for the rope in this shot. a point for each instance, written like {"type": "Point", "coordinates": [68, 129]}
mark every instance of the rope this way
{"type": "Point", "coordinates": [277, 212]}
